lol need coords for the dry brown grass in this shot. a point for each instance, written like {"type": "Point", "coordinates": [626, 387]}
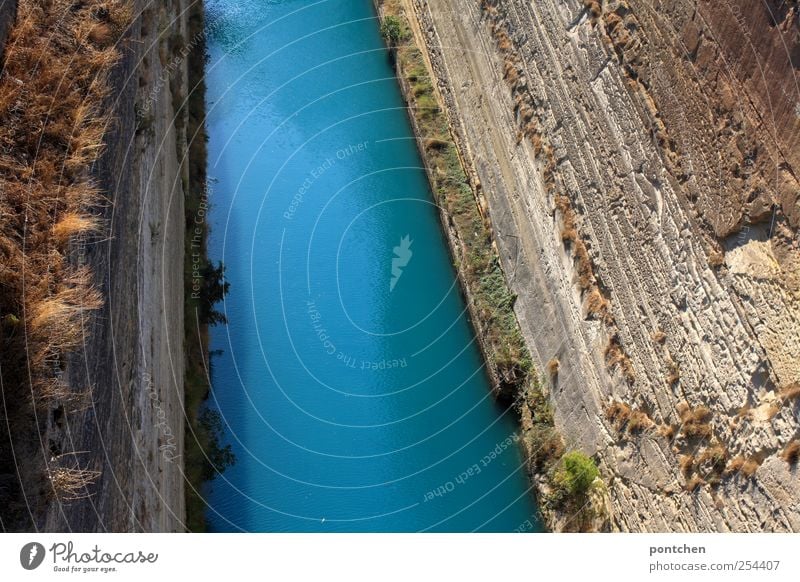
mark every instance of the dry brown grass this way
{"type": "Point", "coordinates": [54, 101]}
{"type": "Point", "coordinates": [686, 464]}
{"type": "Point", "coordinates": [743, 466]}
{"type": "Point", "coordinates": [639, 422]}
{"type": "Point", "coordinates": [597, 306]}
{"type": "Point", "coordinates": [594, 7]}
{"type": "Point", "coordinates": [73, 224]}
{"type": "Point", "coordinates": [791, 454]}
{"type": "Point", "coordinates": [790, 392]}
{"type": "Point", "coordinates": [713, 458]}
{"type": "Point", "coordinates": [69, 484]}
{"type": "Point", "coordinates": [624, 417]}
{"type": "Point", "coordinates": [666, 430]}
{"type": "Point", "coordinates": [616, 356]}
{"type": "Point", "coordinates": [695, 421]}
{"type": "Point", "coordinates": [673, 373]}
{"type": "Point", "coordinates": [694, 483]}
{"type": "Point", "coordinates": [552, 367]}
{"type": "Point", "coordinates": [569, 230]}
{"type": "Point", "coordinates": [716, 259]}
{"type": "Point", "coordinates": [52, 123]}
{"type": "Point", "coordinates": [585, 267]}
{"type": "Point", "coordinates": [658, 336]}
{"type": "Point", "coordinates": [618, 414]}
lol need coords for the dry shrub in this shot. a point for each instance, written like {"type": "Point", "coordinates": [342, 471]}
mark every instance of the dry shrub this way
{"type": "Point", "coordinates": [594, 8]}
{"type": "Point", "coordinates": [585, 268]}
{"type": "Point", "coordinates": [552, 367]}
{"type": "Point", "coordinates": [546, 446]}
{"type": "Point", "coordinates": [52, 123]}
{"type": "Point", "coordinates": [658, 336]}
{"type": "Point", "coordinates": [622, 416]}
{"type": "Point", "coordinates": [686, 464]}
{"type": "Point", "coordinates": [618, 414]}
{"type": "Point", "coordinates": [713, 458]}
{"type": "Point", "coordinates": [70, 484]}
{"type": "Point", "coordinates": [569, 231]}
{"type": "Point", "coordinates": [510, 72]}
{"type": "Point", "coordinates": [695, 421]}
{"type": "Point", "coordinates": [503, 40]}
{"type": "Point", "coordinates": [739, 464]}
{"type": "Point", "coordinates": [639, 421]}
{"type": "Point", "coordinates": [716, 259]}
{"type": "Point", "coordinates": [694, 483]}
{"type": "Point", "coordinates": [666, 431]}
{"type": "Point", "coordinates": [596, 305]}
{"type": "Point", "coordinates": [791, 454]}
{"type": "Point", "coordinates": [536, 142]}
{"type": "Point", "coordinates": [673, 373]}
{"type": "Point", "coordinates": [790, 392]}
{"type": "Point", "coordinates": [615, 356]}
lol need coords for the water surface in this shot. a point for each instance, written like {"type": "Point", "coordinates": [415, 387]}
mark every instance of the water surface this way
{"type": "Point", "coordinates": [351, 386]}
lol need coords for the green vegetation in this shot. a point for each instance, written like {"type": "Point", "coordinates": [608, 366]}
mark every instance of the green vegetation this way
{"type": "Point", "coordinates": [204, 454]}
{"type": "Point", "coordinates": [575, 474]}
{"type": "Point", "coordinates": [392, 31]}
{"type": "Point", "coordinates": [479, 264]}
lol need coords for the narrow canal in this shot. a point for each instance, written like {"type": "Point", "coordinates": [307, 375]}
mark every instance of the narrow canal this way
{"type": "Point", "coordinates": [350, 383]}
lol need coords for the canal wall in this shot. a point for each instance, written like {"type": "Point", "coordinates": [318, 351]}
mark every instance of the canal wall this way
{"type": "Point", "coordinates": [666, 301]}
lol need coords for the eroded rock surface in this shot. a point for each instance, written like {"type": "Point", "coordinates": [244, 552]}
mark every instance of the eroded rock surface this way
{"type": "Point", "coordinates": [670, 130]}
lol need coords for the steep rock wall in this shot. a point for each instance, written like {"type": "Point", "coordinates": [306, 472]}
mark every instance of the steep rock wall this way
{"type": "Point", "coordinates": [709, 323]}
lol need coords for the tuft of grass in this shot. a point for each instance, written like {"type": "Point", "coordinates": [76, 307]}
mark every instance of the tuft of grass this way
{"type": "Point", "coordinates": [594, 8]}
{"type": "Point", "coordinates": [694, 483]}
{"type": "Point", "coordinates": [713, 458]}
{"type": "Point", "coordinates": [790, 392]}
{"type": "Point", "coordinates": [70, 484]}
{"type": "Point", "coordinates": [615, 356]}
{"type": "Point", "coordinates": [686, 464]}
{"type": "Point", "coordinates": [743, 466]}
{"type": "Point", "coordinates": [552, 367]}
{"type": "Point", "coordinates": [624, 417]}
{"type": "Point", "coordinates": [667, 431]}
{"type": "Point", "coordinates": [716, 259]}
{"type": "Point", "coordinates": [74, 224]}
{"type": "Point", "coordinates": [791, 453]}
{"type": "Point", "coordinates": [673, 372]}
{"type": "Point", "coordinates": [695, 422]}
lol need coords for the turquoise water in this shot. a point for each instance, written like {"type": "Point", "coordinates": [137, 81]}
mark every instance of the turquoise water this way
{"type": "Point", "coordinates": [350, 383]}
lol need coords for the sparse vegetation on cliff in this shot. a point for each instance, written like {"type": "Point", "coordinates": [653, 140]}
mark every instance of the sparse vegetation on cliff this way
{"type": "Point", "coordinates": [204, 285]}
{"type": "Point", "coordinates": [479, 265]}
{"type": "Point", "coordinates": [392, 30]}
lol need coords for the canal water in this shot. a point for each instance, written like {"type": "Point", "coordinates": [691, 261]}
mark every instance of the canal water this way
{"type": "Point", "coordinates": [349, 381]}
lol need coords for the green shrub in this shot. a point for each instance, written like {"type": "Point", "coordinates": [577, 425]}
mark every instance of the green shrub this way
{"type": "Point", "coordinates": [575, 474]}
{"type": "Point", "coordinates": [392, 30]}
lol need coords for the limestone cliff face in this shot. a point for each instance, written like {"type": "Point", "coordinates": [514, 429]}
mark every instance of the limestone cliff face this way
{"type": "Point", "coordinates": [132, 432]}
{"type": "Point", "coordinates": [639, 160]}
